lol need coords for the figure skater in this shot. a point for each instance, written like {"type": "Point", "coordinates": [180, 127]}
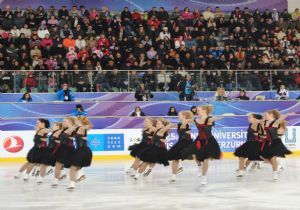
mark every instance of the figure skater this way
{"type": "Point", "coordinates": [205, 146]}
{"type": "Point", "coordinates": [147, 135]}
{"type": "Point", "coordinates": [82, 156]}
{"type": "Point", "coordinates": [66, 150]}
{"type": "Point", "coordinates": [273, 147]}
{"type": "Point", "coordinates": [157, 153]}
{"type": "Point", "coordinates": [35, 154]}
{"type": "Point", "coordinates": [250, 150]}
{"type": "Point", "coordinates": [184, 140]}
{"type": "Point", "coordinates": [50, 154]}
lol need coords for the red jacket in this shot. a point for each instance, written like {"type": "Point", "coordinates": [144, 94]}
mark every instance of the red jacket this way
{"type": "Point", "coordinates": [103, 41]}
{"type": "Point", "coordinates": [29, 82]}
{"type": "Point", "coordinates": [154, 23]}
{"type": "Point", "coordinates": [136, 16]}
{"type": "Point", "coordinates": [81, 52]}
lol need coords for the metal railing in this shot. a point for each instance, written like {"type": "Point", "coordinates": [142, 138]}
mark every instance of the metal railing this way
{"type": "Point", "coordinates": [14, 81]}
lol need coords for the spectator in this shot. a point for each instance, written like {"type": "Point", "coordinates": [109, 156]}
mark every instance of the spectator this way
{"type": "Point", "coordinates": [79, 111]}
{"type": "Point", "coordinates": [42, 30]}
{"type": "Point", "coordinates": [296, 14]}
{"type": "Point", "coordinates": [65, 94]}
{"type": "Point", "coordinates": [175, 14]}
{"type": "Point", "coordinates": [47, 41]}
{"type": "Point", "coordinates": [172, 111]}
{"type": "Point", "coordinates": [190, 42]}
{"type": "Point", "coordinates": [282, 93]}
{"type": "Point", "coordinates": [208, 14]}
{"type": "Point", "coordinates": [30, 81]}
{"type": "Point", "coordinates": [220, 94]}
{"type": "Point", "coordinates": [80, 43]}
{"type": "Point", "coordinates": [143, 93]}
{"type": "Point", "coordinates": [179, 42]}
{"type": "Point", "coordinates": [25, 98]}
{"type": "Point", "coordinates": [138, 112]}
{"type": "Point", "coordinates": [15, 32]}
{"type": "Point", "coordinates": [69, 42]}
{"type": "Point", "coordinates": [165, 34]}
{"type": "Point", "coordinates": [194, 110]}
{"type": "Point", "coordinates": [103, 41]}
{"type": "Point", "coordinates": [243, 96]}
{"type": "Point", "coordinates": [185, 89]}
{"type": "Point", "coordinates": [25, 30]}
{"type": "Point", "coordinates": [258, 40]}
{"type": "Point", "coordinates": [163, 80]}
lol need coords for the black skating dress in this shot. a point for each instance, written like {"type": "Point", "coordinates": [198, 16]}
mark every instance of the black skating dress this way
{"type": "Point", "coordinates": [83, 155]}
{"type": "Point", "coordinates": [65, 152]}
{"type": "Point", "coordinates": [143, 145]}
{"type": "Point", "coordinates": [251, 148]}
{"type": "Point", "coordinates": [36, 154]}
{"type": "Point", "coordinates": [205, 146]}
{"type": "Point", "coordinates": [184, 140]}
{"type": "Point", "coordinates": [157, 153]}
{"type": "Point", "coordinates": [54, 144]}
{"type": "Point", "coordinates": [272, 145]}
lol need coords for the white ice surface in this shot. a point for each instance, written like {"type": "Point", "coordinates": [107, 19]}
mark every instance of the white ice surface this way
{"type": "Point", "coordinates": [106, 187]}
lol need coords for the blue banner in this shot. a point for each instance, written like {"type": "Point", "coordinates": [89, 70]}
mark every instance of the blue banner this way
{"type": "Point", "coordinates": [106, 142]}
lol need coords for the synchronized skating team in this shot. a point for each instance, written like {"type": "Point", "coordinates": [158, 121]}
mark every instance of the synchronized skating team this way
{"type": "Point", "coordinates": [67, 146]}
{"type": "Point", "coordinates": [263, 143]}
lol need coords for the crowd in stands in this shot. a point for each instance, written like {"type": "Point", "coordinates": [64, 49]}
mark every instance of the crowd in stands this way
{"type": "Point", "coordinates": [173, 42]}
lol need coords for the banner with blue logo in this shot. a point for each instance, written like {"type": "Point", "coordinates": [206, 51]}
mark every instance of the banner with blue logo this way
{"type": "Point", "coordinates": [106, 142]}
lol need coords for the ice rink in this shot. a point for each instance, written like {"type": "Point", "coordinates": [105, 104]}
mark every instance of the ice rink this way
{"type": "Point", "coordinates": [106, 187]}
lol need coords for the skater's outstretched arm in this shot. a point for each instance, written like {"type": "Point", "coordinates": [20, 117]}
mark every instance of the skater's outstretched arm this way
{"type": "Point", "coordinates": [282, 118]}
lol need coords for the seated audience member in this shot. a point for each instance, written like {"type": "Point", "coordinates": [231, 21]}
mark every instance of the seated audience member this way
{"type": "Point", "coordinates": [221, 95]}
{"type": "Point", "coordinates": [65, 94]}
{"type": "Point", "coordinates": [243, 96]}
{"type": "Point", "coordinates": [143, 93]}
{"type": "Point", "coordinates": [172, 111]}
{"type": "Point", "coordinates": [138, 112]}
{"type": "Point", "coordinates": [79, 111]}
{"type": "Point", "coordinates": [25, 98]}
{"type": "Point", "coordinates": [282, 93]}
{"type": "Point", "coordinates": [157, 40]}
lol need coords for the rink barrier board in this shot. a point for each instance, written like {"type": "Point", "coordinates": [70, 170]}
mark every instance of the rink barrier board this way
{"type": "Point", "coordinates": [99, 158]}
{"type": "Point", "coordinates": [114, 143]}
{"type": "Point", "coordinates": [130, 96]}
{"type": "Point", "coordinates": [106, 113]}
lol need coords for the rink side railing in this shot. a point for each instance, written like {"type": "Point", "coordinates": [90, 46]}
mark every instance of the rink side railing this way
{"type": "Point", "coordinates": [96, 81]}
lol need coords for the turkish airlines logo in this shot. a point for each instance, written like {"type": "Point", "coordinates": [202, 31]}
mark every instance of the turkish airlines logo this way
{"type": "Point", "coordinates": [13, 144]}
